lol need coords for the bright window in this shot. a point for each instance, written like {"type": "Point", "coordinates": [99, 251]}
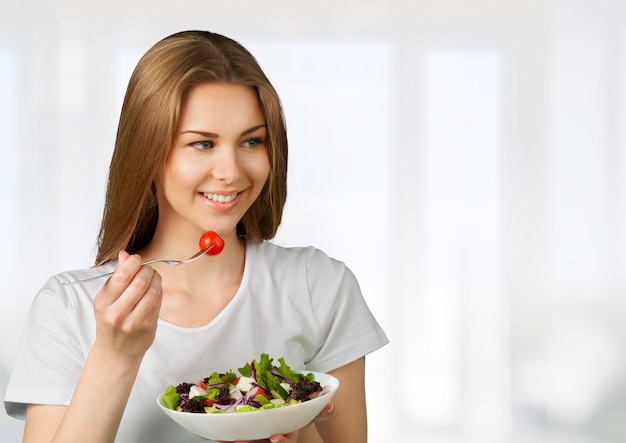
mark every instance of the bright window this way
{"type": "Point", "coordinates": [9, 173]}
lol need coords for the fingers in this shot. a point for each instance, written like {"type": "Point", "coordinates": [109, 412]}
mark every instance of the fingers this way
{"type": "Point", "coordinates": [329, 412]}
{"type": "Point", "coordinates": [289, 438]}
{"type": "Point", "coordinates": [292, 437]}
{"type": "Point", "coordinates": [255, 441]}
{"type": "Point", "coordinates": [143, 295]}
{"type": "Point", "coordinates": [132, 287]}
{"type": "Point", "coordinates": [127, 267]}
{"type": "Point", "coordinates": [281, 439]}
{"type": "Point", "coordinates": [127, 307]}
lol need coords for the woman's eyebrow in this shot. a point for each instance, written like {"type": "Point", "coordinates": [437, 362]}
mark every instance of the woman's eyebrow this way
{"type": "Point", "coordinates": [198, 132]}
{"type": "Point", "coordinates": [254, 128]}
{"type": "Point", "coordinates": [213, 135]}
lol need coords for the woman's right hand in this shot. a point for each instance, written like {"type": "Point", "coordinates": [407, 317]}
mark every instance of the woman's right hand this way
{"type": "Point", "coordinates": [127, 309]}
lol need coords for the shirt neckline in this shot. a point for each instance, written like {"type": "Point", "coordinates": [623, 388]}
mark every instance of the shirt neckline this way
{"type": "Point", "coordinates": [241, 292]}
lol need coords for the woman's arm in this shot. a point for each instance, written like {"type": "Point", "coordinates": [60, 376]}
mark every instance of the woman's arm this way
{"type": "Point", "coordinates": [126, 310]}
{"type": "Point", "coordinates": [348, 421]}
{"type": "Point", "coordinates": [95, 410]}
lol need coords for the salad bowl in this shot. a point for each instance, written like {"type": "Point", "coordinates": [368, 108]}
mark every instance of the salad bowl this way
{"type": "Point", "coordinates": [254, 425]}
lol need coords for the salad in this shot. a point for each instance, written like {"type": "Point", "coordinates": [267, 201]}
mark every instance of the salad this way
{"type": "Point", "coordinates": [259, 385]}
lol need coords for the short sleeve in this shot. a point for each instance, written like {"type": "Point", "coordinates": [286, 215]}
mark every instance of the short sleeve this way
{"type": "Point", "coordinates": [50, 355]}
{"type": "Point", "coordinates": [347, 328]}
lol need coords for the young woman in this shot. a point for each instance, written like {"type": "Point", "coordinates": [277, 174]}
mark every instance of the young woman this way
{"type": "Point", "coordinates": [201, 146]}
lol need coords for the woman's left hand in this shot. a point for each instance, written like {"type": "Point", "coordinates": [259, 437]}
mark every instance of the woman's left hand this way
{"type": "Point", "coordinates": [328, 413]}
{"type": "Point", "coordinates": [292, 437]}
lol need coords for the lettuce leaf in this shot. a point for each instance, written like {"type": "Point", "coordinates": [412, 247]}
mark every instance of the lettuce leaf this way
{"type": "Point", "coordinates": [171, 398]}
{"type": "Point", "coordinates": [285, 369]}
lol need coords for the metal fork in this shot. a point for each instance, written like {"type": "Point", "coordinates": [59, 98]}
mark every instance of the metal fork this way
{"type": "Point", "coordinates": [170, 262]}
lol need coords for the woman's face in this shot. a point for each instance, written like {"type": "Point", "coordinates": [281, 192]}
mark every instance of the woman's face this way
{"type": "Point", "coordinates": [218, 162]}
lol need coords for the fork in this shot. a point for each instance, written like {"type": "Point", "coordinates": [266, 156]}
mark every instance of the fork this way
{"type": "Point", "coordinates": [170, 262]}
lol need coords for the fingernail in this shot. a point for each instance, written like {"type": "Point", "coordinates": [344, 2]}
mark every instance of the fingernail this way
{"type": "Point", "coordinates": [274, 440]}
{"type": "Point", "coordinates": [330, 410]}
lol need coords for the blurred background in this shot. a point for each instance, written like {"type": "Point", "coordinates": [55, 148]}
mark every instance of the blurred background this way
{"type": "Point", "coordinates": [466, 159]}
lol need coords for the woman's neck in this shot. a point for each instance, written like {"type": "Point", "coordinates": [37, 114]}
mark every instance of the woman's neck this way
{"type": "Point", "coordinates": [195, 293]}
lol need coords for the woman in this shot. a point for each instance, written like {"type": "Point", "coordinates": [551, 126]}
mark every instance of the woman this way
{"type": "Point", "coordinates": [201, 146]}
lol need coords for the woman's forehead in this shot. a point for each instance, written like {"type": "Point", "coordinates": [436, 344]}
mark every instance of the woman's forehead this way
{"type": "Point", "coordinates": [210, 106]}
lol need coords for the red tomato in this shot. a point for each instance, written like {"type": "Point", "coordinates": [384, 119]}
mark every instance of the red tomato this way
{"type": "Point", "coordinates": [211, 238]}
{"type": "Point", "coordinates": [210, 402]}
{"type": "Point", "coordinates": [202, 385]}
{"type": "Point", "coordinates": [258, 391]}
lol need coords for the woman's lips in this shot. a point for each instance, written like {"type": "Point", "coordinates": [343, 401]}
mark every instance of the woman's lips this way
{"type": "Point", "coordinates": [222, 201]}
{"type": "Point", "coordinates": [220, 198]}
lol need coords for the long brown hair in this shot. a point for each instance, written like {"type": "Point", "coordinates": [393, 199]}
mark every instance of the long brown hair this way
{"type": "Point", "coordinates": [147, 127]}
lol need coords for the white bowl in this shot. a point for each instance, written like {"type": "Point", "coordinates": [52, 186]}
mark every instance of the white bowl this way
{"type": "Point", "coordinates": [255, 425]}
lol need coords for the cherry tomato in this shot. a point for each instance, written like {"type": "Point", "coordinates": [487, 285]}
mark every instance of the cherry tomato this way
{"type": "Point", "coordinates": [258, 391]}
{"type": "Point", "coordinates": [211, 238]}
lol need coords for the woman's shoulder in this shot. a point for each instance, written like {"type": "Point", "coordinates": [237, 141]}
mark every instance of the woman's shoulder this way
{"type": "Point", "coordinates": [274, 252]}
{"type": "Point", "coordinates": [57, 302]}
{"type": "Point", "coordinates": [66, 285]}
{"type": "Point", "coordinates": [70, 278]}
{"type": "Point", "coordinates": [308, 260]}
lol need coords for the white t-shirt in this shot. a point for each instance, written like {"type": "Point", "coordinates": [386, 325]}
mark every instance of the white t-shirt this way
{"type": "Point", "coordinates": [295, 303]}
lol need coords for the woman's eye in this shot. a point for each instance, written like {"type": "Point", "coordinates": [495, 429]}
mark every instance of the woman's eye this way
{"type": "Point", "coordinates": [203, 145]}
{"type": "Point", "coordinates": [253, 142]}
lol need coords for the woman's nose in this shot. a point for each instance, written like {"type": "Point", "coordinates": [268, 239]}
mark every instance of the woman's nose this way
{"type": "Point", "coordinates": [227, 167]}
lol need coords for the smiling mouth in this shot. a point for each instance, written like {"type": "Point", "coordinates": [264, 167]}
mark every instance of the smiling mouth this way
{"type": "Point", "coordinates": [219, 197]}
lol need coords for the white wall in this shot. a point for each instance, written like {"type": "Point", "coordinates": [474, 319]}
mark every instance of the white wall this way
{"type": "Point", "coordinates": [466, 159]}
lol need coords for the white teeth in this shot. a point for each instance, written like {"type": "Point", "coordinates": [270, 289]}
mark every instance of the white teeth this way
{"type": "Point", "coordinates": [220, 198]}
